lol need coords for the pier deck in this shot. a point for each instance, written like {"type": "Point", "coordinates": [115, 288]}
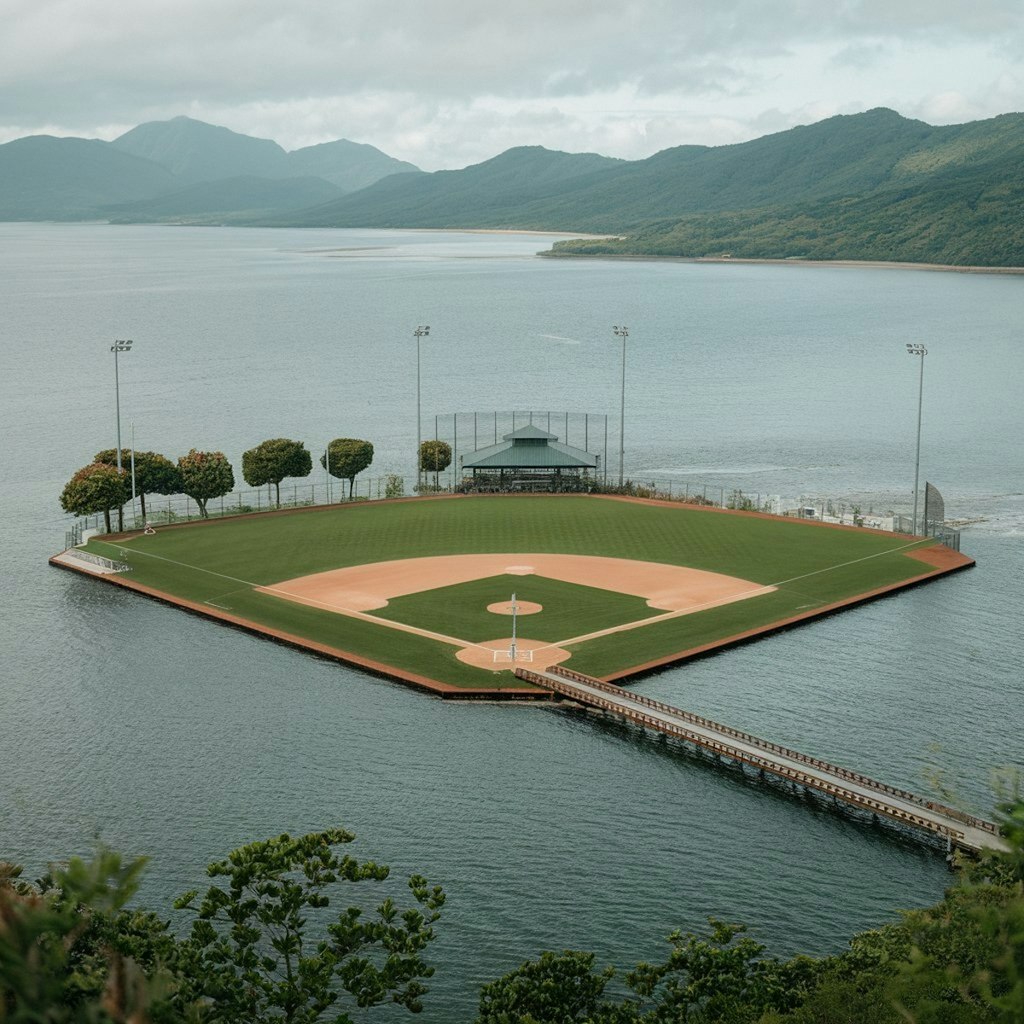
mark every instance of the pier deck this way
{"type": "Point", "coordinates": [960, 830]}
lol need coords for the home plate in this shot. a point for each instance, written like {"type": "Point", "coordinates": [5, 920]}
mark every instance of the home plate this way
{"type": "Point", "coordinates": [495, 655]}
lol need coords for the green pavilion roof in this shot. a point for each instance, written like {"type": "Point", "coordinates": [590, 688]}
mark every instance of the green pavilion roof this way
{"type": "Point", "coordinates": [530, 447]}
{"type": "Point", "coordinates": [529, 433]}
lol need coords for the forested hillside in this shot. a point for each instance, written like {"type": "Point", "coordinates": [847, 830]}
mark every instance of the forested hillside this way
{"type": "Point", "coordinates": [961, 216]}
{"type": "Point", "coordinates": [496, 193]}
{"type": "Point", "coordinates": [957, 201]}
{"type": "Point", "coordinates": [871, 186]}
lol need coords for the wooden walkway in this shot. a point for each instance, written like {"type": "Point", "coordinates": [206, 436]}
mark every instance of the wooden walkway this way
{"type": "Point", "coordinates": [960, 830]}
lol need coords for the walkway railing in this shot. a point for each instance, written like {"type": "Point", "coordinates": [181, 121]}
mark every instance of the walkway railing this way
{"type": "Point", "coordinates": [103, 563]}
{"type": "Point", "coordinates": [819, 775]}
{"type": "Point", "coordinates": [777, 748]}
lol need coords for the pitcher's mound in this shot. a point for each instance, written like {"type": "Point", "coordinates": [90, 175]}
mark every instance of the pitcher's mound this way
{"type": "Point", "coordinates": [522, 607]}
{"type": "Point", "coordinates": [494, 654]}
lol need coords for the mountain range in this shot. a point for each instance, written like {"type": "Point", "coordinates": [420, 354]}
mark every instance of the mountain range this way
{"type": "Point", "coordinates": [869, 186]}
{"type": "Point", "coordinates": [182, 170]}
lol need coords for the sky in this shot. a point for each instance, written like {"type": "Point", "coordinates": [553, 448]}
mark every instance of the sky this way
{"type": "Point", "coordinates": [447, 83]}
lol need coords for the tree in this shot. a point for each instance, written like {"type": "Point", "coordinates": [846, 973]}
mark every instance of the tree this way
{"type": "Point", "coordinates": [205, 475]}
{"type": "Point", "coordinates": [271, 461]}
{"type": "Point", "coordinates": [435, 457]}
{"type": "Point", "coordinates": [260, 949]}
{"type": "Point", "coordinates": [722, 979]}
{"type": "Point", "coordinates": [347, 457]}
{"type": "Point", "coordinates": [70, 951]}
{"type": "Point", "coordinates": [966, 961]}
{"type": "Point", "coordinates": [559, 988]}
{"type": "Point", "coordinates": [154, 473]}
{"type": "Point", "coordinates": [95, 488]}
{"type": "Point", "coordinates": [715, 980]}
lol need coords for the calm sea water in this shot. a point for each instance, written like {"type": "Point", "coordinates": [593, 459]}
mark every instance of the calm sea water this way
{"type": "Point", "coordinates": [166, 735]}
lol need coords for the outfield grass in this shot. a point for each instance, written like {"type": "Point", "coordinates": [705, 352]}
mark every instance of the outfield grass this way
{"type": "Point", "coordinates": [221, 561]}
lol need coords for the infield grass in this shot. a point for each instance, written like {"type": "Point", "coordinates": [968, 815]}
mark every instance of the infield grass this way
{"type": "Point", "coordinates": [568, 609]}
{"type": "Point", "coordinates": [222, 560]}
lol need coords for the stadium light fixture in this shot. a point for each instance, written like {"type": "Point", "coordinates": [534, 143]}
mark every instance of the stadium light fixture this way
{"type": "Point", "coordinates": [623, 333]}
{"type": "Point", "coordinates": [420, 332]}
{"type": "Point", "coordinates": [918, 350]}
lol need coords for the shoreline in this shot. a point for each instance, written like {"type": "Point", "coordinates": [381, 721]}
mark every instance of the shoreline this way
{"type": "Point", "coordinates": [493, 231]}
{"type": "Point", "coordinates": [946, 268]}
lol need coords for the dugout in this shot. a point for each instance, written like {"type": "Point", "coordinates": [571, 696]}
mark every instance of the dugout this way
{"type": "Point", "coordinates": [528, 459]}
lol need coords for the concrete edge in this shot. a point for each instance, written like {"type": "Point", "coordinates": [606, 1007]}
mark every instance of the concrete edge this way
{"type": "Point", "coordinates": [446, 691]}
{"type": "Point", "coordinates": [747, 636]}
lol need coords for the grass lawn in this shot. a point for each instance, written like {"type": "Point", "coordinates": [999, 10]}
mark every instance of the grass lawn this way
{"type": "Point", "coordinates": [568, 609]}
{"type": "Point", "coordinates": [220, 561]}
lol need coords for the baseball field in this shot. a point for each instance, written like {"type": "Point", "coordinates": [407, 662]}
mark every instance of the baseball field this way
{"type": "Point", "coordinates": [423, 588]}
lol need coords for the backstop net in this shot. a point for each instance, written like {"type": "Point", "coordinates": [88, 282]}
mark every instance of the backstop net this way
{"type": "Point", "coordinates": [468, 432]}
{"type": "Point", "coordinates": [935, 518]}
{"type": "Point", "coordinates": [934, 507]}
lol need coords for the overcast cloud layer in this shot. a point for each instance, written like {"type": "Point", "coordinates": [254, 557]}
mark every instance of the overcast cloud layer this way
{"type": "Point", "coordinates": [446, 83]}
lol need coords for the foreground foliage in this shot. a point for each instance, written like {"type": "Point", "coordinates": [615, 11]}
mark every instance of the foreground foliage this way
{"type": "Point", "coordinates": [265, 946]}
{"type": "Point", "coordinates": [959, 962]}
{"type": "Point", "coordinates": [252, 954]}
{"type": "Point", "coordinates": [262, 946]}
{"type": "Point", "coordinates": [71, 952]}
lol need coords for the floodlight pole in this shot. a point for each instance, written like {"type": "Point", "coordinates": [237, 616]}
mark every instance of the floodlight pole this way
{"type": "Point", "coordinates": [921, 351]}
{"type": "Point", "coordinates": [120, 345]}
{"type": "Point", "coordinates": [623, 333]}
{"type": "Point", "coordinates": [116, 348]}
{"type": "Point", "coordinates": [420, 332]}
{"type": "Point", "coordinates": [134, 514]}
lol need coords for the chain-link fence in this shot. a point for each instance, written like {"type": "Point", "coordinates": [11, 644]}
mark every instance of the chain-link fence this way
{"type": "Point", "coordinates": [941, 532]}
{"type": "Point", "coordinates": [179, 508]}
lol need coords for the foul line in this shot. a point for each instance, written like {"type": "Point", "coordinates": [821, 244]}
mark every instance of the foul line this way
{"type": "Point", "coordinates": [455, 642]}
{"type": "Point", "coordinates": [743, 596]}
{"type": "Point", "coordinates": [301, 599]}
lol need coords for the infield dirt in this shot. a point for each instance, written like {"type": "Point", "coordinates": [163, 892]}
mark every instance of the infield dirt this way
{"type": "Point", "coordinates": [361, 588]}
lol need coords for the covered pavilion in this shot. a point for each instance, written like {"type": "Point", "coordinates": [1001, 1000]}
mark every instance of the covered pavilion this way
{"type": "Point", "coordinates": [528, 459]}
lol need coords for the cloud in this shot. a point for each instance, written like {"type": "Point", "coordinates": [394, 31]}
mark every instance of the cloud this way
{"type": "Point", "coordinates": [444, 83]}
